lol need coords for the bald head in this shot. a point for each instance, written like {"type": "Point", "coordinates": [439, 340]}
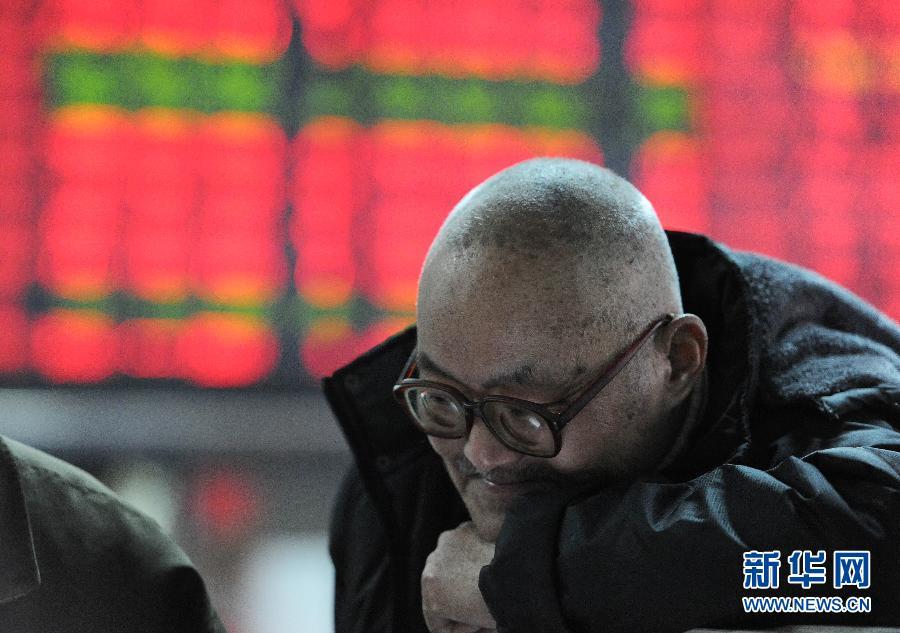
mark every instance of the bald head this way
{"type": "Point", "coordinates": [567, 246]}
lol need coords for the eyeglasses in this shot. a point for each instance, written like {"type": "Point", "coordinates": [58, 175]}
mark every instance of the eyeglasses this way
{"type": "Point", "coordinates": [521, 425]}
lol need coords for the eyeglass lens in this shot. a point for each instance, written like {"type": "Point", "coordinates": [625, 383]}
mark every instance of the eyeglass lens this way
{"type": "Point", "coordinates": [439, 413]}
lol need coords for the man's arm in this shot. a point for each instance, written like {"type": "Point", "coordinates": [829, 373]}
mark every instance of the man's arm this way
{"type": "Point", "coordinates": [668, 557]}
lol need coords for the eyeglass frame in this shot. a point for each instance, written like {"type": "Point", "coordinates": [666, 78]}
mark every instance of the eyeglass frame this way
{"type": "Point", "coordinates": [556, 420]}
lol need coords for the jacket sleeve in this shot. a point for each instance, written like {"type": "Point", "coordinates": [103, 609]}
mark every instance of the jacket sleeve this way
{"type": "Point", "coordinates": [359, 551]}
{"type": "Point", "coordinates": [663, 557]}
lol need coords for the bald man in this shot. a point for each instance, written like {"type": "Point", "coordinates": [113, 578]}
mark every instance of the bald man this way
{"type": "Point", "coordinates": [595, 424]}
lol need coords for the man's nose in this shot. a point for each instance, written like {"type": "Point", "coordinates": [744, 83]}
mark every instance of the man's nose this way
{"type": "Point", "coordinates": [485, 451]}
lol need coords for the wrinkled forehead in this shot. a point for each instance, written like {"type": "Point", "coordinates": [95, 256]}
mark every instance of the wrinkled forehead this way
{"type": "Point", "coordinates": [484, 317]}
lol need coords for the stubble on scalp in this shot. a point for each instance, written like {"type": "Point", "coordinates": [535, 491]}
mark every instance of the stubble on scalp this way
{"type": "Point", "coordinates": [550, 231]}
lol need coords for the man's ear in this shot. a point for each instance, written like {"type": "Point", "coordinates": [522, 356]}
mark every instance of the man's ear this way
{"type": "Point", "coordinates": [684, 342]}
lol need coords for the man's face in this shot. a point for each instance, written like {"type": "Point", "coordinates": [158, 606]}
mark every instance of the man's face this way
{"type": "Point", "coordinates": [507, 346]}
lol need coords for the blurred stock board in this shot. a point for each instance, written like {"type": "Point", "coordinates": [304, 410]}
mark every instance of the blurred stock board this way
{"type": "Point", "coordinates": [240, 193]}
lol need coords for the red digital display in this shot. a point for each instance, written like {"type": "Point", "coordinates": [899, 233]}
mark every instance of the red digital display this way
{"type": "Point", "coordinates": [187, 194]}
{"type": "Point", "coordinates": [326, 194]}
{"type": "Point", "coordinates": [13, 339]}
{"type": "Point", "coordinates": [555, 41]}
{"type": "Point", "coordinates": [74, 346]}
{"type": "Point", "coordinates": [790, 144]}
{"type": "Point", "coordinates": [257, 30]}
{"type": "Point", "coordinates": [20, 141]}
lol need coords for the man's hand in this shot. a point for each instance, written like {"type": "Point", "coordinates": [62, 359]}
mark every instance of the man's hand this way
{"type": "Point", "coordinates": [451, 600]}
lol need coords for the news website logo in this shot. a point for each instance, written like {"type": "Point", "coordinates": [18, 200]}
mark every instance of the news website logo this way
{"type": "Point", "coordinates": [806, 569]}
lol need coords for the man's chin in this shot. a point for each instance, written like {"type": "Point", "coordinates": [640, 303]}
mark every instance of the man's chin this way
{"type": "Point", "coordinates": [487, 525]}
{"type": "Point", "coordinates": [487, 515]}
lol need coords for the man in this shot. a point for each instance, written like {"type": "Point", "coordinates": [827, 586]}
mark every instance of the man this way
{"type": "Point", "coordinates": [75, 559]}
{"type": "Point", "coordinates": [594, 422]}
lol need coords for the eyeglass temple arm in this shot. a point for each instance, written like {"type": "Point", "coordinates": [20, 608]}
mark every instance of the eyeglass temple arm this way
{"type": "Point", "coordinates": [409, 367]}
{"type": "Point", "coordinates": [613, 370]}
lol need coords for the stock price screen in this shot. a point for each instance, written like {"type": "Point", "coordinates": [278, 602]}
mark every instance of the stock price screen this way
{"type": "Point", "coordinates": [240, 193]}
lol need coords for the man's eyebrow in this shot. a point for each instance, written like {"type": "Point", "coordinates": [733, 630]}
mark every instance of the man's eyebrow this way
{"type": "Point", "coordinates": [424, 362]}
{"type": "Point", "coordinates": [522, 375]}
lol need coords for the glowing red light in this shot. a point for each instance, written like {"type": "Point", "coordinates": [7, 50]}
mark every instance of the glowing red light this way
{"type": "Point", "coordinates": [726, 114]}
{"type": "Point", "coordinates": [754, 219]}
{"type": "Point", "coordinates": [565, 43]}
{"type": "Point", "coordinates": [320, 15]}
{"type": "Point", "coordinates": [403, 230]}
{"type": "Point", "coordinates": [666, 49]}
{"type": "Point", "coordinates": [17, 158]}
{"type": "Point", "coordinates": [148, 347]}
{"type": "Point", "coordinates": [89, 143]}
{"type": "Point", "coordinates": [748, 12]}
{"type": "Point", "coordinates": [256, 30]}
{"type": "Point", "coordinates": [824, 14]}
{"type": "Point", "coordinates": [883, 194]}
{"type": "Point", "coordinates": [78, 234]}
{"type": "Point", "coordinates": [237, 268]}
{"type": "Point", "coordinates": [333, 32]}
{"type": "Point", "coordinates": [742, 152]}
{"type": "Point", "coordinates": [830, 202]}
{"type": "Point", "coordinates": [103, 25]}
{"type": "Point", "coordinates": [16, 200]}
{"type": "Point", "coordinates": [827, 156]}
{"type": "Point", "coordinates": [326, 196]}
{"type": "Point", "coordinates": [13, 339]}
{"type": "Point", "coordinates": [885, 14]}
{"type": "Point", "coordinates": [328, 344]}
{"type": "Point", "coordinates": [397, 37]}
{"type": "Point", "coordinates": [669, 170]}
{"type": "Point", "coordinates": [156, 263]}
{"type": "Point", "coordinates": [157, 235]}
{"type": "Point", "coordinates": [69, 346]}
{"type": "Point", "coordinates": [224, 350]}
{"type": "Point", "coordinates": [747, 44]}
{"type": "Point", "coordinates": [237, 259]}
{"type": "Point", "coordinates": [243, 151]}
{"type": "Point", "coordinates": [538, 40]}
{"type": "Point", "coordinates": [177, 28]}
{"type": "Point", "coordinates": [226, 503]}
{"type": "Point", "coordinates": [382, 330]}
{"type": "Point", "coordinates": [15, 258]}
{"type": "Point", "coordinates": [162, 149]}
{"type": "Point", "coordinates": [835, 117]}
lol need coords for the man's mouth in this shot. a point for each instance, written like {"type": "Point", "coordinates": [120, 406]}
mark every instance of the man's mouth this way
{"type": "Point", "coordinates": [506, 488]}
{"type": "Point", "coordinates": [498, 489]}
{"type": "Point", "coordinates": [503, 483]}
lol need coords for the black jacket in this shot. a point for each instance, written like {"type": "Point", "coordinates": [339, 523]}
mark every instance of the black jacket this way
{"type": "Point", "coordinates": [76, 559]}
{"type": "Point", "coordinates": [797, 449]}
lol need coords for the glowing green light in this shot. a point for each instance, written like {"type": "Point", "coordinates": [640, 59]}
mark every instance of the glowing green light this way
{"type": "Point", "coordinates": [663, 107]}
{"type": "Point", "coordinates": [139, 80]}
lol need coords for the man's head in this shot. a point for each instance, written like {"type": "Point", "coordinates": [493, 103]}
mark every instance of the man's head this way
{"type": "Point", "coordinates": [540, 277]}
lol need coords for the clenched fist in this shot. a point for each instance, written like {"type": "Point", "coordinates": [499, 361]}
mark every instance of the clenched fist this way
{"type": "Point", "coordinates": [451, 600]}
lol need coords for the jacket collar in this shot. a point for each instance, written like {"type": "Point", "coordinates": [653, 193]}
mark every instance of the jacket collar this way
{"type": "Point", "coordinates": [19, 572]}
